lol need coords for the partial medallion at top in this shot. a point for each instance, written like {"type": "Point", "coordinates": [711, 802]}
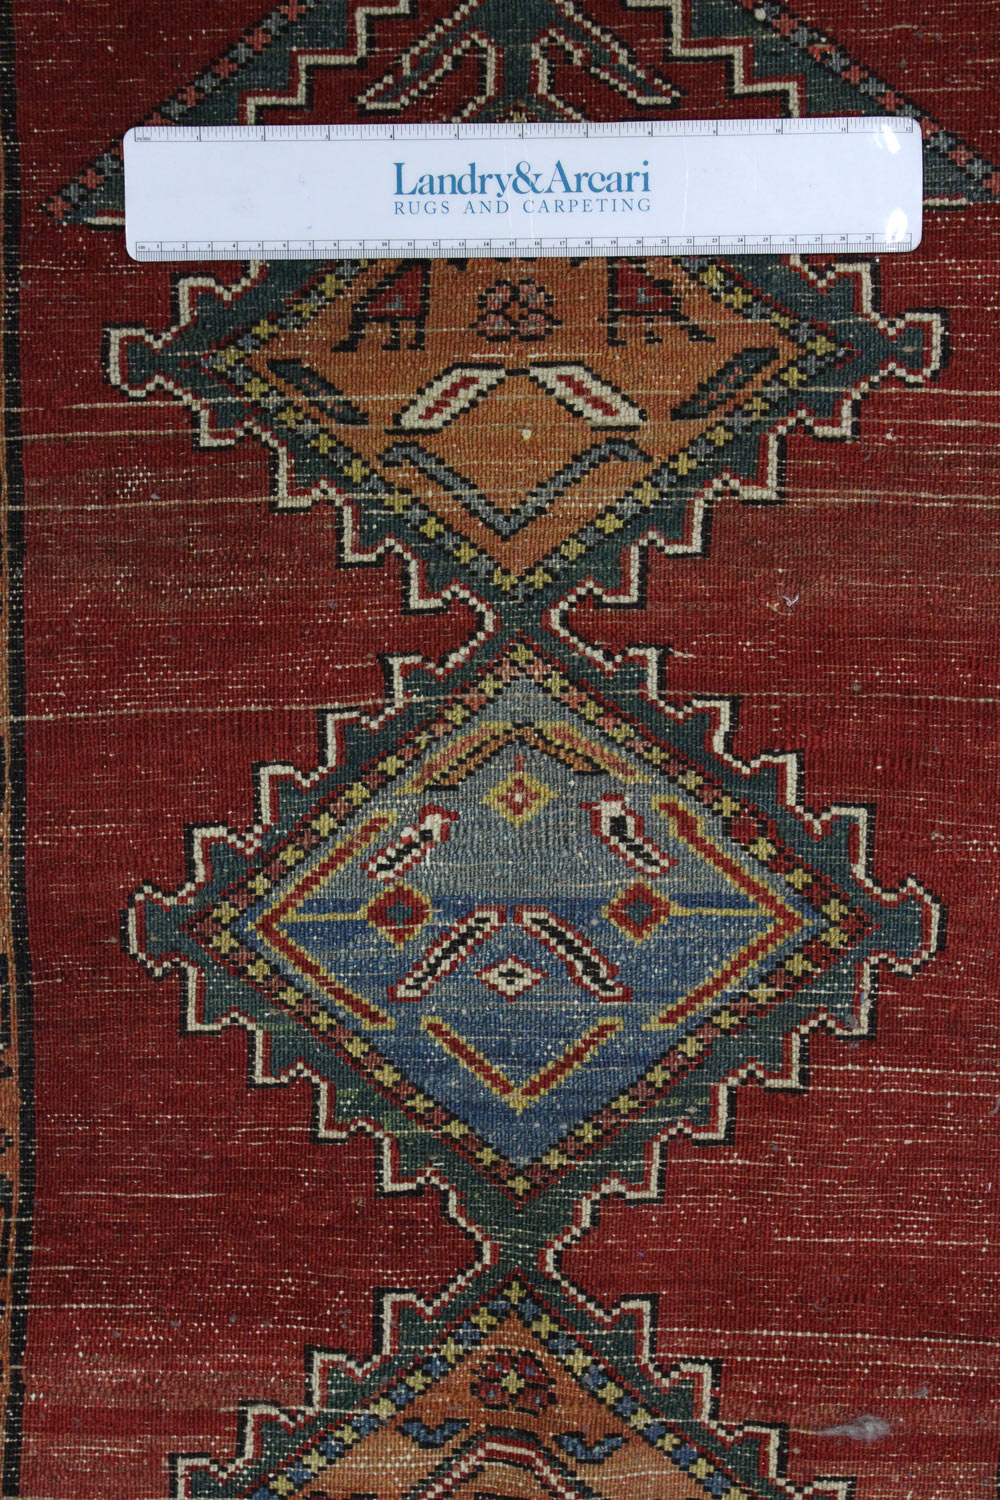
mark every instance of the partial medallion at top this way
{"type": "Point", "coordinates": [513, 424]}
{"type": "Point", "coordinates": [529, 921]}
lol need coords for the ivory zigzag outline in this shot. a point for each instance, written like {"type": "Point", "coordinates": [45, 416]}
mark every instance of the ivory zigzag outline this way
{"type": "Point", "coordinates": [282, 1447]}
{"type": "Point", "coordinates": [910, 347]}
{"type": "Point", "coordinates": [348, 739]}
{"type": "Point", "coordinates": [761, 44]}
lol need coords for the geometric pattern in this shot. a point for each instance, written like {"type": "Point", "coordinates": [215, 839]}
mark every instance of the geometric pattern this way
{"type": "Point", "coordinates": [532, 921]}
{"type": "Point", "coordinates": [510, 1036]}
{"type": "Point", "coordinates": [517, 798]}
{"type": "Point", "coordinates": [772, 57]}
{"type": "Point", "coordinates": [511, 1397]}
{"type": "Point", "coordinates": [511, 977]}
{"type": "Point", "coordinates": [770, 928]}
{"type": "Point", "coordinates": [698, 372]}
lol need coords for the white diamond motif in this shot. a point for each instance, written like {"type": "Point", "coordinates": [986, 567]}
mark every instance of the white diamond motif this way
{"type": "Point", "coordinates": [511, 977]}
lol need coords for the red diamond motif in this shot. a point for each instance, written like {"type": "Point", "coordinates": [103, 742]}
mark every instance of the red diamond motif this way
{"type": "Point", "coordinates": [399, 913]}
{"type": "Point", "coordinates": [638, 910]}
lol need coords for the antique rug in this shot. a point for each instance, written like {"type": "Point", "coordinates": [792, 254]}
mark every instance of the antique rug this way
{"type": "Point", "coordinates": [498, 938]}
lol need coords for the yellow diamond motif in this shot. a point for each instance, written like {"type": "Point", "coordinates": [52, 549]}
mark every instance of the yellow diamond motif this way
{"type": "Point", "coordinates": [519, 797]}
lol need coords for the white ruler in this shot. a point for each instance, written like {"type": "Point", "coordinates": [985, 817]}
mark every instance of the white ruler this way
{"type": "Point", "coordinates": [678, 187]}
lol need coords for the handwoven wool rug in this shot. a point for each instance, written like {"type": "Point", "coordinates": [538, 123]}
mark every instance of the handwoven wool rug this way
{"type": "Point", "coordinates": [492, 749]}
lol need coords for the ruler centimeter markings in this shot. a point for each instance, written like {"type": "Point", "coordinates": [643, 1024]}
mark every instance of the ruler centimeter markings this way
{"type": "Point", "coordinates": [168, 250]}
{"type": "Point", "coordinates": [562, 130]}
{"type": "Point", "coordinates": [814, 185]}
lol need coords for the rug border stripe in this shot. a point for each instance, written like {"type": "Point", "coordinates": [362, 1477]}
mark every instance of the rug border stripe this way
{"type": "Point", "coordinates": [12, 869]}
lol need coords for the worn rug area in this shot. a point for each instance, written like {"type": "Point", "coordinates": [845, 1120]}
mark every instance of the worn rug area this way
{"type": "Point", "coordinates": [497, 946]}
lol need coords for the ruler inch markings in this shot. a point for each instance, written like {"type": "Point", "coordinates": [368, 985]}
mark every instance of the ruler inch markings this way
{"type": "Point", "coordinates": [802, 124]}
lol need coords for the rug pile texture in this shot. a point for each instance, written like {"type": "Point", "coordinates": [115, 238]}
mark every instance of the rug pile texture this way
{"type": "Point", "coordinates": [498, 975]}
